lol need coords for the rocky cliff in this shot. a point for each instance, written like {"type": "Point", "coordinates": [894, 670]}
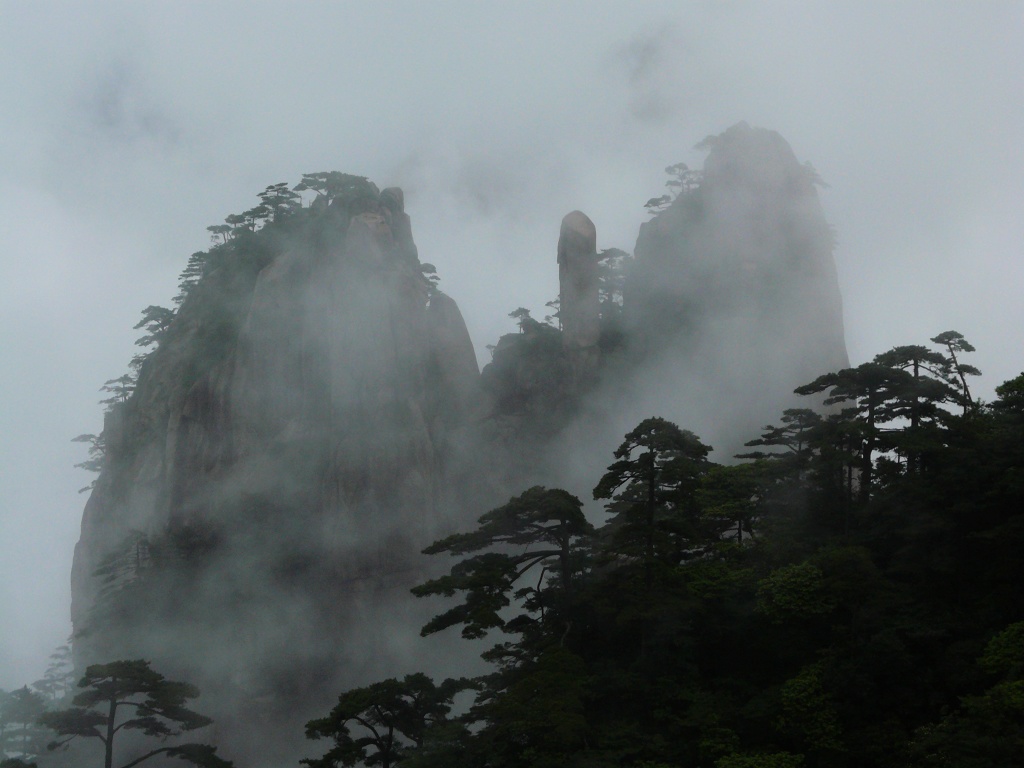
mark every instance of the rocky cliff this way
{"type": "Point", "coordinates": [733, 299]}
{"type": "Point", "coordinates": [284, 455]}
{"type": "Point", "coordinates": [730, 301]}
{"type": "Point", "coordinates": [313, 414]}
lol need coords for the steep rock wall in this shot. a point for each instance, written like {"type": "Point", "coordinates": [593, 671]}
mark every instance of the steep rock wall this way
{"type": "Point", "coordinates": [315, 415]}
{"type": "Point", "coordinates": [291, 434]}
{"type": "Point", "coordinates": [734, 295]}
{"type": "Point", "coordinates": [579, 304]}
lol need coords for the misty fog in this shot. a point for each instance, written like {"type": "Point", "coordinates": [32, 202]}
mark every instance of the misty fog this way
{"type": "Point", "coordinates": [127, 130]}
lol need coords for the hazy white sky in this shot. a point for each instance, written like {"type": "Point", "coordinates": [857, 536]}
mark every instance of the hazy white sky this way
{"type": "Point", "coordinates": [127, 128]}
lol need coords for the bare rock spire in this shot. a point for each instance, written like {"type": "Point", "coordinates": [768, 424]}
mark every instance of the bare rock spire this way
{"type": "Point", "coordinates": [579, 305]}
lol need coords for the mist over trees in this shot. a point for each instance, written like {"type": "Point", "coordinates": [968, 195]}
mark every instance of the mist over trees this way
{"type": "Point", "coordinates": [867, 618]}
{"type": "Point", "coordinates": [702, 537]}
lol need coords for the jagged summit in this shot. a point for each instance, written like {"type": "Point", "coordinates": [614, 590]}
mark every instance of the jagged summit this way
{"type": "Point", "coordinates": [730, 301]}
{"type": "Point", "coordinates": [734, 290]}
{"type": "Point", "coordinates": [578, 288]}
{"type": "Point", "coordinates": [313, 414]}
{"type": "Point", "coordinates": [288, 440]}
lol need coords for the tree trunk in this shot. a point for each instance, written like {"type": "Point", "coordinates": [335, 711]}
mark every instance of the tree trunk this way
{"type": "Point", "coordinates": [109, 744]}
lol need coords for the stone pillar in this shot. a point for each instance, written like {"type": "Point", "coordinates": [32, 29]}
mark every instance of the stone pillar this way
{"type": "Point", "coordinates": [579, 303]}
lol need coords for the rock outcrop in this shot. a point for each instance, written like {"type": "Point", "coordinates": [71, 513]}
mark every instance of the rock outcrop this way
{"type": "Point", "coordinates": [314, 416]}
{"type": "Point", "coordinates": [734, 295]}
{"type": "Point", "coordinates": [579, 303]}
{"type": "Point", "coordinates": [286, 454]}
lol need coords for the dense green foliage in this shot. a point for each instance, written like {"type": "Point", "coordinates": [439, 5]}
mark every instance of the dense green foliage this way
{"type": "Point", "coordinates": [849, 595]}
{"type": "Point", "coordinates": [381, 723]}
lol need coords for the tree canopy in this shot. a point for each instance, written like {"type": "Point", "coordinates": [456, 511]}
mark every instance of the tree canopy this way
{"type": "Point", "coordinates": [380, 723]}
{"type": "Point", "coordinates": [847, 595]}
{"type": "Point", "coordinates": [130, 696]}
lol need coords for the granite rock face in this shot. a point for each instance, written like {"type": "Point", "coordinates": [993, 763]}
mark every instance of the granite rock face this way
{"type": "Point", "coordinates": [288, 443]}
{"type": "Point", "coordinates": [579, 306]}
{"type": "Point", "coordinates": [734, 292]}
{"type": "Point", "coordinates": [314, 416]}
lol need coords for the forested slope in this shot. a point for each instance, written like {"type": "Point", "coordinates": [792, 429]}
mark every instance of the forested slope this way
{"type": "Point", "coordinates": [848, 595]}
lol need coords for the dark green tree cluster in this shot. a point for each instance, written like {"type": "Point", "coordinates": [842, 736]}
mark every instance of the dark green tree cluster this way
{"type": "Point", "coordinates": [20, 733]}
{"type": "Point", "coordinates": [384, 723]}
{"type": "Point", "coordinates": [612, 269]}
{"type": "Point", "coordinates": [125, 696]}
{"type": "Point", "coordinates": [112, 701]}
{"type": "Point", "coordinates": [848, 595]}
{"type": "Point", "coordinates": [682, 181]}
{"type": "Point", "coordinates": [22, 738]}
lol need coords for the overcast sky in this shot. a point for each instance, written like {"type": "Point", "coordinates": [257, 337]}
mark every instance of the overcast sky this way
{"type": "Point", "coordinates": [127, 128]}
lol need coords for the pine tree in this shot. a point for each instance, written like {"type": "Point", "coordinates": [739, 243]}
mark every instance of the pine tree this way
{"type": "Point", "coordinates": [128, 695]}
